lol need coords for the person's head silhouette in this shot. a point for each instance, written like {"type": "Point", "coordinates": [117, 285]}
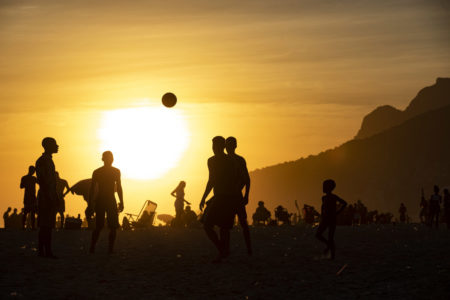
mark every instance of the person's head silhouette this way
{"type": "Point", "coordinates": [261, 203]}
{"type": "Point", "coordinates": [218, 144]}
{"type": "Point", "coordinates": [107, 158]}
{"type": "Point", "coordinates": [182, 184]}
{"type": "Point", "coordinates": [31, 170]}
{"type": "Point", "coordinates": [57, 174]}
{"type": "Point", "coordinates": [436, 189]}
{"type": "Point", "coordinates": [328, 186]}
{"type": "Point", "coordinates": [50, 145]}
{"type": "Point", "coordinates": [231, 144]}
{"type": "Point", "coordinates": [188, 208]}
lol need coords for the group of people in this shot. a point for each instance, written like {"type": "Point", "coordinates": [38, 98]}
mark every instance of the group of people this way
{"type": "Point", "coordinates": [49, 200]}
{"type": "Point", "coordinates": [228, 177]}
{"type": "Point", "coordinates": [229, 181]}
{"type": "Point", "coordinates": [430, 210]}
{"type": "Point", "coordinates": [30, 199]}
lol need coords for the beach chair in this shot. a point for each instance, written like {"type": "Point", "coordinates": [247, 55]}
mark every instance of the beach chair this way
{"type": "Point", "coordinates": [146, 216]}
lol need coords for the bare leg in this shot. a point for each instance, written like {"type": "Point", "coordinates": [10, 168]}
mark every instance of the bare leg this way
{"type": "Point", "coordinates": [95, 235]}
{"type": "Point", "coordinates": [111, 239]}
{"type": "Point", "coordinates": [212, 235]}
{"type": "Point", "coordinates": [24, 220]}
{"type": "Point", "coordinates": [62, 219]}
{"type": "Point", "coordinates": [331, 246]}
{"type": "Point", "coordinates": [320, 230]}
{"type": "Point", "coordinates": [33, 220]}
{"type": "Point", "coordinates": [246, 232]}
{"type": "Point", "coordinates": [225, 241]}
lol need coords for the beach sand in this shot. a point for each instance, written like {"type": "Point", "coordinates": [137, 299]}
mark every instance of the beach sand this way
{"type": "Point", "coordinates": [390, 262]}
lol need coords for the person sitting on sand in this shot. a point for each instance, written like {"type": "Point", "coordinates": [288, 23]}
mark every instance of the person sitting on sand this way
{"type": "Point", "coordinates": [328, 217]}
{"type": "Point", "coordinates": [107, 179]}
{"type": "Point", "coordinates": [282, 215]}
{"type": "Point", "coordinates": [189, 217]}
{"type": "Point", "coordinates": [261, 215]}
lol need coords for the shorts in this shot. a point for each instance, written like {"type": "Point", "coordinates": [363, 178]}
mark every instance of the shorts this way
{"type": "Point", "coordinates": [220, 211]}
{"type": "Point", "coordinates": [112, 215]}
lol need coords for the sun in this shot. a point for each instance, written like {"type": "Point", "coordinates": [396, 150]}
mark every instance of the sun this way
{"type": "Point", "coordinates": [146, 141]}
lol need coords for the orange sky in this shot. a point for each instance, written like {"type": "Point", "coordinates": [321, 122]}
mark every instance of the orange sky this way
{"type": "Point", "coordinates": [288, 79]}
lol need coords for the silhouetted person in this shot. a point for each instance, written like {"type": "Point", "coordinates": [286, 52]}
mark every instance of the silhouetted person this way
{"type": "Point", "coordinates": [6, 218]}
{"type": "Point", "coordinates": [328, 217]}
{"type": "Point", "coordinates": [243, 180]}
{"type": "Point", "coordinates": [423, 209]}
{"type": "Point", "coordinates": [62, 187]}
{"type": "Point", "coordinates": [435, 206]}
{"type": "Point", "coordinates": [28, 182]}
{"type": "Point", "coordinates": [14, 221]}
{"type": "Point", "coordinates": [309, 214]}
{"type": "Point", "coordinates": [107, 180]}
{"type": "Point", "coordinates": [261, 215]}
{"type": "Point", "coordinates": [189, 217]}
{"type": "Point", "coordinates": [447, 207]}
{"type": "Point", "coordinates": [220, 210]}
{"type": "Point", "coordinates": [178, 193]}
{"type": "Point", "coordinates": [402, 211]}
{"type": "Point", "coordinates": [47, 197]}
{"type": "Point", "coordinates": [282, 215]}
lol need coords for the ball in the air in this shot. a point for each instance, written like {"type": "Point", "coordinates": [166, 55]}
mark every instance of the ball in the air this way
{"type": "Point", "coordinates": [169, 99]}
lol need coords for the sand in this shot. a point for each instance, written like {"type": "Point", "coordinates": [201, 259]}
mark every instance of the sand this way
{"type": "Point", "coordinates": [390, 262]}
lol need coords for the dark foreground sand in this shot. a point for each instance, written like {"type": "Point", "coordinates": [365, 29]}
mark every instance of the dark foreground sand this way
{"type": "Point", "coordinates": [390, 262]}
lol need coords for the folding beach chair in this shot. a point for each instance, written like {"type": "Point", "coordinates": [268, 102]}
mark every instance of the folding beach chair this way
{"type": "Point", "coordinates": [146, 216]}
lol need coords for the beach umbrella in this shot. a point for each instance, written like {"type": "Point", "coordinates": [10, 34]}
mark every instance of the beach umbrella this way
{"type": "Point", "coordinates": [81, 188]}
{"type": "Point", "coordinates": [165, 218]}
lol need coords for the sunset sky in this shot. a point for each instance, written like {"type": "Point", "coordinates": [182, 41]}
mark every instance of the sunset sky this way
{"type": "Point", "coordinates": [286, 78]}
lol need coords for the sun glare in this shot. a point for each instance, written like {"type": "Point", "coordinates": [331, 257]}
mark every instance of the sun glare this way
{"type": "Point", "coordinates": [146, 141]}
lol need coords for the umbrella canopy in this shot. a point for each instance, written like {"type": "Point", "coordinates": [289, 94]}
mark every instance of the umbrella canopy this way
{"type": "Point", "coordinates": [82, 188]}
{"type": "Point", "coordinates": [165, 218]}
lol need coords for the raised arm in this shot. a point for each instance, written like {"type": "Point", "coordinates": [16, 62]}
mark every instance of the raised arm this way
{"type": "Point", "coordinates": [120, 192]}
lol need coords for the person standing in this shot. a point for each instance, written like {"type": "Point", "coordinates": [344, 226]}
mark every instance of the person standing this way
{"type": "Point", "coordinates": [402, 212]}
{"type": "Point", "coordinates": [447, 207]}
{"type": "Point", "coordinates": [178, 193]}
{"type": "Point", "coordinates": [243, 180]}
{"type": "Point", "coordinates": [47, 197]}
{"type": "Point", "coordinates": [328, 217]}
{"type": "Point", "coordinates": [28, 182]}
{"type": "Point", "coordinates": [61, 184]}
{"type": "Point", "coordinates": [107, 180]}
{"type": "Point", "coordinates": [435, 207]}
{"type": "Point", "coordinates": [220, 209]}
{"type": "Point", "coordinates": [6, 222]}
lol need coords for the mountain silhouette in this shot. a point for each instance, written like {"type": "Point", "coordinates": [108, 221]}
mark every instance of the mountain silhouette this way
{"type": "Point", "coordinates": [385, 117]}
{"type": "Point", "coordinates": [382, 170]}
